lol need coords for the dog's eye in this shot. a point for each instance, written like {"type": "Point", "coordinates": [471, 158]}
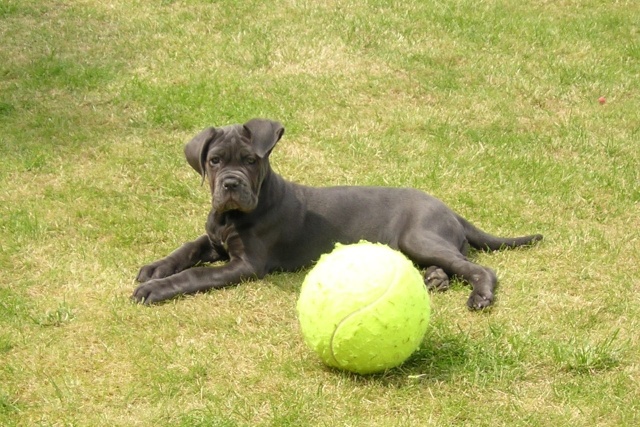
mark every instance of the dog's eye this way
{"type": "Point", "coordinates": [214, 160]}
{"type": "Point", "coordinates": [250, 160]}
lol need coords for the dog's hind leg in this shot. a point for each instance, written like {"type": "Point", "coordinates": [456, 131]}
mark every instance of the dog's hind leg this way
{"type": "Point", "coordinates": [435, 251]}
{"type": "Point", "coordinates": [435, 279]}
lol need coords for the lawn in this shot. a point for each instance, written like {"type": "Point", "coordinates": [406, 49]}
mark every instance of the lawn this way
{"type": "Point", "coordinates": [490, 105]}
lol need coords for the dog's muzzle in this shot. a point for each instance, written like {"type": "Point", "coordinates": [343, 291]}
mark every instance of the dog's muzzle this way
{"type": "Point", "coordinates": [232, 192]}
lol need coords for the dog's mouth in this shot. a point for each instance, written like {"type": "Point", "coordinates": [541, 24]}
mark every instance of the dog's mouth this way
{"type": "Point", "coordinates": [232, 193]}
{"type": "Point", "coordinates": [229, 203]}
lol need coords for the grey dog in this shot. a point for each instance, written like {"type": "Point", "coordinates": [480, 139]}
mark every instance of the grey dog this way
{"type": "Point", "coordinates": [260, 223]}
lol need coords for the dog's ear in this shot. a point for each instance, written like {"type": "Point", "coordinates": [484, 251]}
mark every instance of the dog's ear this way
{"type": "Point", "coordinates": [264, 135]}
{"type": "Point", "coordinates": [196, 150]}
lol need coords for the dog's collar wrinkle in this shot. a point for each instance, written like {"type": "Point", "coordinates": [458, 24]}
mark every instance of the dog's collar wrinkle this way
{"type": "Point", "coordinates": [225, 218]}
{"type": "Point", "coordinates": [271, 191]}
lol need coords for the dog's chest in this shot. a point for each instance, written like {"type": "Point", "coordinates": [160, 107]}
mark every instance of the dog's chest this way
{"type": "Point", "coordinates": [221, 231]}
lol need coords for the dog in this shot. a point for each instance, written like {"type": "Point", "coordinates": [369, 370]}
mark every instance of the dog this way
{"type": "Point", "coordinates": [261, 223]}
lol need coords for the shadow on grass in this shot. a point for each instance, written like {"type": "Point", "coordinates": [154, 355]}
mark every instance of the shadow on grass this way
{"type": "Point", "coordinates": [440, 359]}
{"type": "Point", "coordinates": [449, 354]}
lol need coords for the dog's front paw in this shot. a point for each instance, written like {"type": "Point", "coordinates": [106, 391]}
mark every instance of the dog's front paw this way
{"type": "Point", "coordinates": [479, 301]}
{"type": "Point", "coordinates": [153, 291]}
{"type": "Point", "coordinates": [435, 279]}
{"type": "Point", "coordinates": [157, 270]}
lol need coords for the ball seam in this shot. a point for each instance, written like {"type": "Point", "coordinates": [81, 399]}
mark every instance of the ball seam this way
{"type": "Point", "coordinates": [335, 330]}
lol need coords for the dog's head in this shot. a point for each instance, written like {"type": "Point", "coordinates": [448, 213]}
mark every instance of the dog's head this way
{"type": "Point", "coordinates": [235, 158]}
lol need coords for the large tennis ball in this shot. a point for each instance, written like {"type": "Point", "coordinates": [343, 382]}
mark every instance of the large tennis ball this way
{"type": "Point", "coordinates": [363, 308]}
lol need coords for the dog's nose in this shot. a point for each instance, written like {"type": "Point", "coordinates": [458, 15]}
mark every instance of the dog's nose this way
{"type": "Point", "coordinates": [230, 183]}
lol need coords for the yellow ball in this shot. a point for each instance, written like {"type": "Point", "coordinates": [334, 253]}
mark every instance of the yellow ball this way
{"type": "Point", "coordinates": [363, 308]}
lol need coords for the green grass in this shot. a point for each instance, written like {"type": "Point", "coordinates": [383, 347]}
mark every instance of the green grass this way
{"type": "Point", "coordinates": [490, 105]}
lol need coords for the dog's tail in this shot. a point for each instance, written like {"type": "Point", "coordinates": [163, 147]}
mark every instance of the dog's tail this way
{"type": "Point", "coordinates": [487, 242]}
